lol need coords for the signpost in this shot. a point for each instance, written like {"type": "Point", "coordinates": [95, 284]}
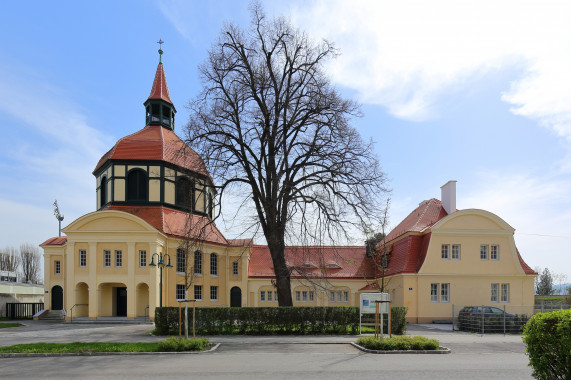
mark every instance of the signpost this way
{"type": "Point", "coordinates": [374, 303]}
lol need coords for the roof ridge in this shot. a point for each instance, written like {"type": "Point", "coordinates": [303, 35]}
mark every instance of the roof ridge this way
{"type": "Point", "coordinates": [426, 204]}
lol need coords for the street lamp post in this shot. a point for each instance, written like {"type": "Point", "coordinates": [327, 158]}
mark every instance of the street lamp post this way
{"type": "Point", "coordinates": [161, 265]}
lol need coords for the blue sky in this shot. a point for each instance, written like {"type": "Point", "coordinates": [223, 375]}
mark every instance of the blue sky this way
{"type": "Point", "coordinates": [478, 92]}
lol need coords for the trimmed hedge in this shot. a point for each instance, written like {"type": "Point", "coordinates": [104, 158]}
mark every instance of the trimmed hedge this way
{"type": "Point", "coordinates": [400, 343]}
{"type": "Point", "coordinates": [398, 320]}
{"type": "Point", "coordinates": [548, 340]}
{"type": "Point", "coordinates": [174, 344]}
{"type": "Point", "coordinates": [262, 320]}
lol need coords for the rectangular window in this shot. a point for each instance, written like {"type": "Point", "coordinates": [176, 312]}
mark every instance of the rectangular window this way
{"type": "Point", "coordinates": [198, 292]}
{"type": "Point", "coordinates": [311, 296]}
{"type": "Point", "coordinates": [197, 262]}
{"type": "Point", "coordinates": [345, 296]}
{"type": "Point", "coordinates": [142, 259]}
{"type": "Point", "coordinates": [57, 267]}
{"type": "Point", "coordinates": [180, 261]}
{"type": "Point", "coordinates": [235, 268]}
{"type": "Point", "coordinates": [297, 296]}
{"type": "Point", "coordinates": [276, 296]}
{"type": "Point", "coordinates": [433, 292]}
{"type": "Point", "coordinates": [332, 296]}
{"type": "Point", "coordinates": [214, 293]}
{"type": "Point", "coordinates": [339, 296]}
{"type": "Point", "coordinates": [494, 293]}
{"type": "Point", "coordinates": [445, 251]}
{"type": "Point", "coordinates": [107, 259]}
{"type": "Point", "coordinates": [118, 259]}
{"type": "Point", "coordinates": [483, 252]}
{"type": "Point", "coordinates": [495, 252]}
{"type": "Point", "coordinates": [269, 296]}
{"type": "Point", "coordinates": [213, 264]}
{"type": "Point", "coordinates": [505, 292]}
{"type": "Point", "coordinates": [444, 292]}
{"type": "Point", "coordinates": [456, 252]}
{"type": "Point", "coordinates": [180, 292]}
{"type": "Point", "coordinates": [82, 258]}
{"type": "Point", "coordinates": [304, 296]}
{"type": "Point", "coordinates": [263, 295]}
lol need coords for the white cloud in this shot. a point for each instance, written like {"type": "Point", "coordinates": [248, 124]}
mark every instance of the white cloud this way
{"type": "Point", "coordinates": [536, 206]}
{"type": "Point", "coordinates": [404, 55]}
{"type": "Point", "coordinates": [51, 153]}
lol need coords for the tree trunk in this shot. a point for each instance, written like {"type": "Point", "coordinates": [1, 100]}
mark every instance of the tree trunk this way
{"type": "Point", "coordinates": [277, 250]}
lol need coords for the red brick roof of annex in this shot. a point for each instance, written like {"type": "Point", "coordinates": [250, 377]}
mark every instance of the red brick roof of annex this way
{"type": "Point", "coordinates": [406, 255]}
{"type": "Point", "coordinates": [315, 261]}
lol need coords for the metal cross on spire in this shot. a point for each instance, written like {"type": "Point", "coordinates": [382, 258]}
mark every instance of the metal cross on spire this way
{"type": "Point", "coordinates": [160, 42]}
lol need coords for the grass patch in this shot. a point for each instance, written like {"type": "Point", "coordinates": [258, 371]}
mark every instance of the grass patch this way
{"type": "Point", "coordinates": [199, 344]}
{"type": "Point", "coordinates": [6, 325]}
{"type": "Point", "coordinates": [400, 343]}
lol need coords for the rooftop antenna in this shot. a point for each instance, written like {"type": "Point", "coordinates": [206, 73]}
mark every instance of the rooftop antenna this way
{"type": "Point", "coordinates": [59, 216]}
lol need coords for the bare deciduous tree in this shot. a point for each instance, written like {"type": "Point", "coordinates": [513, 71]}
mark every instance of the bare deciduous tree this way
{"type": "Point", "coordinates": [30, 258]}
{"type": "Point", "coordinates": [9, 259]}
{"type": "Point", "coordinates": [269, 124]}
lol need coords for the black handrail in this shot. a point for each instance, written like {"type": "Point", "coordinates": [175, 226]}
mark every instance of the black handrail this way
{"type": "Point", "coordinates": [71, 310]}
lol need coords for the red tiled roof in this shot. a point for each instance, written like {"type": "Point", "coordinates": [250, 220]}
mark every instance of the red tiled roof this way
{"type": "Point", "coordinates": [240, 242]}
{"type": "Point", "coordinates": [58, 240]}
{"type": "Point", "coordinates": [160, 90]}
{"type": "Point", "coordinates": [155, 143]}
{"type": "Point", "coordinates": [407, 255]}
{"type": "Point", "coordinates": [175, 223]}
{"type": "Point", "coordinates": [425, 215]}
{"type": "Point", "coordinates": [318, 262]}
{"type": "Point", "coordinates": [370, 287]}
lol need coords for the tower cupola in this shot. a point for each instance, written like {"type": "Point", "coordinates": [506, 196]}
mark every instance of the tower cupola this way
{"type": "Point", "coordinates": [159, 108]}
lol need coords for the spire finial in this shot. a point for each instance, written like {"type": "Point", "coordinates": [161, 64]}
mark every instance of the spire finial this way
{"type": "Point", "coordinates": [160, 42]}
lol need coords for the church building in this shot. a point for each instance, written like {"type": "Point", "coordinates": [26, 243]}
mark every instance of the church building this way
{"type": "Point", "coordinates": [152, 233]}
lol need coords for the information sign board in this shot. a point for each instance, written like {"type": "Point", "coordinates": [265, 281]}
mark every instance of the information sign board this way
{"type": "Point", "coordinates": [367, 302]}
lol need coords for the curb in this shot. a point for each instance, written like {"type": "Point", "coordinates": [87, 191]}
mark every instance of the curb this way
{"type": "Point", "coordinates": [442, 350]}
{"type": "Point", "coordinates": [46, 355]}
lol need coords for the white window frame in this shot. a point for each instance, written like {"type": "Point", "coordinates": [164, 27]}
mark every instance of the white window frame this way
{"type": "Point", "coordinates": [445, 252]}
{"type": "Point", "coordinates": [198, 263]}
{"type": "Point", "coordinates": [331, 296]}
{"type": "Point", "coordinates": [494, 252]}
{"type": "Point", "coordinates": [456, 253]}
{"type": "Point", "coordinates": [142, 258]}
{"type": "Point", "coordinates": [311, 296]}
{"type": "Point", "coordinates": [118, 258]}
{"type": "Point", "coordinates": [214, 264]}
{"type": "Point", "coordinates": [269, 296]}
{"type": "Point", "coordinates": [235, 268]}
{"type": "Point", "coordinates": [275, 296]}
{"type": "Point", "coordinates": [304, 295]}
{"type": "Point", "coordinates": [484, 252]}
{"type": "Point", "coordinates": [445, 292]}
{"type": "Point", "coordinates": [57, 267]}
{"type": "Point", "coordinates": [214, 293]}
{"type": "Point", "coordinates": [107, 259]}
{"type": "Point", "coordinates": [345, 296]}
{"type": "Point", "coordinates": [179, 289]}
{"type": "Point", "coordinates": [262, 296]}
{"type": "Point", "coordinates": [297, 296]}
{"type": "Point", "coordinates": [494, 289]}
{"type": "Point", "coordinates": [82, 258]}
{"type": "Point", "coordinates": [198, 292]}
{"type": "Point", "coordinates": [180, 261]}
{"type": "Point", "coordinates": [434, 292]}
{"type": "Point", "coordinates": [505, 293]}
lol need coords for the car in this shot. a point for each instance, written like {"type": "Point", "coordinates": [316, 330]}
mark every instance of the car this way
{"type": "Point", "coordinates": [489, 319]}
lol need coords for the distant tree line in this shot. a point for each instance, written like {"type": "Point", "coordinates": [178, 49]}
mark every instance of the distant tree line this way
{"type": "Point", "coordinates": [25, 261]}
{"type": "Point", "coordinates": [547, 281]}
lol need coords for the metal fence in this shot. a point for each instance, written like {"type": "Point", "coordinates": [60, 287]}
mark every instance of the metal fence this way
{"type": "Point", "coordinates": [23, 310]}
{"type": "Point", "coordinates": [483, 319]}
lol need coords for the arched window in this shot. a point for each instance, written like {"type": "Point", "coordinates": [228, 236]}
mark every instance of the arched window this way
{"type": "Point", "coordinates": [213, 264]}
{"type": "Point", "coordinates": [137, 185]}
{"type": "Point", "coordinates": [184, 192]}
{"type": "Point", "coordinates": [103, 192]}
{"type": "Point", "coordinates": [197, 262]}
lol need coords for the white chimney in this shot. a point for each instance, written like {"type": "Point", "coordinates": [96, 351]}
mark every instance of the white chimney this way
{"type": "Point", "coordinates": [448, 196]}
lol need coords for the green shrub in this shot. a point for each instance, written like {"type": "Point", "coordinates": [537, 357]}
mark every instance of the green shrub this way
{"type": "Point", "coordinates": [548, 340]}
{"type": "Point", "coordinates": [398, 320]}
{"type": "Point", "coordinates": [399, 343]}
{"type": "Point", "coordinates": [262, 320]}
{"type": "Point", "coordinates": [173, 344]}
